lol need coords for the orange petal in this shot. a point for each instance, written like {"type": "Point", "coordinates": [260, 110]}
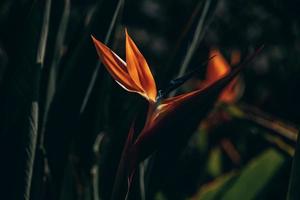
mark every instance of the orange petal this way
{"type": "Point", "coordinates": [115, 66]}
{"type": "Point", "coordinates": [234, 89]}
{"type": "Point", "coordinates": [217, 67]}
{"type": "Point", "coordinates": [139, 70]}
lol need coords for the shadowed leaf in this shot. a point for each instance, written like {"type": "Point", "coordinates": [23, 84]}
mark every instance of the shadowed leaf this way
{"type": "Point", "coordinates": [20, 104]}
{"type": "Point", "coordinates": [257, 174]}
{"type": "Point", "coordinates": [249, 184]}
{"type": "Point", "coordinates": [293, 191]}
{"type": "Point", "coordinates": [64, 112]}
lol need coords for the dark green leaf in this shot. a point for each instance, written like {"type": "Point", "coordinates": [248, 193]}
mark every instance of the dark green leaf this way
{"type": "Point", "coordinates": [256, 176]}
{"type": "Point", "coordinates": [213, 189]}
{"type": "Point", "coordinates": [249, 184]}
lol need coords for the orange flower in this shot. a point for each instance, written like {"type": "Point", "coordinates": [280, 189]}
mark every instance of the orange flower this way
{"type": "Point", "coordinates": [134, 75]}
{"type": "Point", "coordinates": [176, 117]}
{"type": "Point", "coordinates": [217, 67]}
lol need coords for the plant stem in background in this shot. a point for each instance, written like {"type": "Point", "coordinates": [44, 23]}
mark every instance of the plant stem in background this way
{"type": "Point", "coordinates": [117, 12]}
{"type": "Point", "coordinates": [33, 132]}
{"type": "Point", "coordinates": [59, 44]}
{"type": "Point", "coordinates": [253, 114]}
{"type": "Point", "coordinates": [95, 168]}
{"type": "Point", "coordinates": [198, 35]}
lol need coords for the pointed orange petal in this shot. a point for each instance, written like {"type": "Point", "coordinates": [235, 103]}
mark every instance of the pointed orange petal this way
{"type": "Point", "coordinates": [139, 70]}
{"type": "Point", "coordinates": [234, 89]}
{"type": "Point", "coordinates": [217, 67]}
{"type": "Point", "coordinates": [115, 66]}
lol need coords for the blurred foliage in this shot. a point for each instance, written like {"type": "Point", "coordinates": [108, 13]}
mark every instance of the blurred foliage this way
{"type": "Point", "coordinates": [64, 121]}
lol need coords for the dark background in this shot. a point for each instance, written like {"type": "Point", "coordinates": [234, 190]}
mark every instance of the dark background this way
{"type": "Point", "coordinates": [163, 31]}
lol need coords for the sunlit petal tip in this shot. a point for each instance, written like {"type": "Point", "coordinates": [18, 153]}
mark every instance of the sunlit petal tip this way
{"type": "Point", "coordinates": [100, 47]}
{"type": "Point", "coordinates": [95, 41]}
{"type": "Point", "coordinates": [93, 38]}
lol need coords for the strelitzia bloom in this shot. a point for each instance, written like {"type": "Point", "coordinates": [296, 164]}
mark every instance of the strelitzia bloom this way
{"type": "Point", "coordinates": [134, 75]}
{"type": "Point", "coordinates": [167, 118]}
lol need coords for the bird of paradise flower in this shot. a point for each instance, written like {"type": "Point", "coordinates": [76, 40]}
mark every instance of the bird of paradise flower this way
{"type": "Point", "coordinates": [134, 75]}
